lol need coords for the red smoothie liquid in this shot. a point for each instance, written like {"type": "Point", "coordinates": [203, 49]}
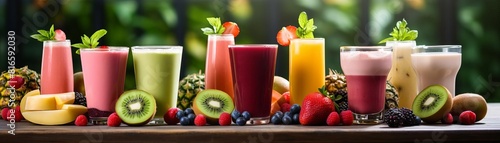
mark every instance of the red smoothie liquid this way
{"type": "Point", "coordinates": [253, 74]}
{"type": "Point", "coordinates": [366, 93]}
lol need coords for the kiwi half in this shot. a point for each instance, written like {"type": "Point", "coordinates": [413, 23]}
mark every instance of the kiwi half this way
{"type": "Point", "coordinates": [136, 107]}
{"type": "Point", "coordinates": [211, 103]}
{"type": "Point", "coordinates": [432, 103]}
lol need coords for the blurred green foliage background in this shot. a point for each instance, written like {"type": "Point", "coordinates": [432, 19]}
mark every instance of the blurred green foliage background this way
{"type": "Point", "coordinates": [472, 24]}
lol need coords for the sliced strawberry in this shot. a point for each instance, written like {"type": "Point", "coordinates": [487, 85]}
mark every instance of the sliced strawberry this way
{"type": "Point", "coordinates": [231, 28]}
{"type": "Point", "coordinates": [59, 35]}
{"type": "Point", "coordinates": [286, 34]}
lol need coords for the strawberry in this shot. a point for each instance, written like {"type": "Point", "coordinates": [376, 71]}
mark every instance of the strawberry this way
{"type": "Point", "coordinates": [114, 120]}
{"type": "Point", "coordinates": [447, 119]}
{"type": "Point", "coordinates": [333, 119]}
{"type": "Point", "coordinates": [5, 113]}
{"type": "Point", "coordinates": [467, 118]}
{"type": "Point", "coordinates": [225, 119]}
{"type": "Point", "coordinates": [170, 118]}
{"type": "Point", "coordinates": [231, 28]}
{"type": "Point", "coordinates": [16, 82]}
{"type": "Point", "coordinates": [285, 107]}
{"type": "Point", "coordinates": [200, 120]}
{"type": "Point", "coordinates": [315, 109]}
{"type": "Point", "coordinates": [60, 35]}
{"type": "Point", "coordinates": [286, 34]}
{"type": "Point", "coordinates": [346, 117]}
{"type": "Point", "coordinates": [81, 120]}
{"type": "Point", "coordinates": [287, 97]}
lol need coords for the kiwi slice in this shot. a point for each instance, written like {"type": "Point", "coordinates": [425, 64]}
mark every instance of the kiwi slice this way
{"type": "Point", "coordinates": [136, 107]}
{"type": "Point", "coordinates": [211, 103]}
{"type": "Point", "coordinates": [432, 103]}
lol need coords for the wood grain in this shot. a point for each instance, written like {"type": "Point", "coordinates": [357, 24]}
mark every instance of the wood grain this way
{"type": "Point", "coordinates": [487, 130]}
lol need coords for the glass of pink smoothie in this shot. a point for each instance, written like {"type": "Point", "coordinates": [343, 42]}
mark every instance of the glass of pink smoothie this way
{"type": "Point", "coordinates": [437, 64]}
{"type": "Point", "coordinates": [217, 66]}
{"type": "Point", "coordinates": [104, 78]}
{"type": "Point", "coordinates": [57, 67]}
{"type": "Point", "coordinates": [253, 74]}
{"type": "Point", "coordinates": [366, 69]}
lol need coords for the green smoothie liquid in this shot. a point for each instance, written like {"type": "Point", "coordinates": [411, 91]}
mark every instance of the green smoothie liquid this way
{"type": "Point", "coordinates": [157, 72]}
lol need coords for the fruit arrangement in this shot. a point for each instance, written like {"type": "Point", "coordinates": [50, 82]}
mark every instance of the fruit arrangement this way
{"type": "Point", "coordinates": [24, 81]}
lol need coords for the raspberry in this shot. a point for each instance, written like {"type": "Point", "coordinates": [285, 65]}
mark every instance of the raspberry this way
{"type": "Point", "coordinates": [5, 113]}
{"type": "Point", "coordinates": [447, 119]}
{"type": "Point", "coordinates": [333, 119]}
{"type": "Point", "coordinates": [285, 107]}
{"type": "Point", "coordinates": [81, 120]}
{"type": "Point", "coordinates": [467, 117]}
{"type": "Point", "coordinates": [225, 119]}
{"type": "Point", "coordinates": [114, 120]}
{"type": "Point", "coordinates": [408, 117]}
{"type": "Point", "coordinates": [18, 115]}
{"type": "Point", "coordinates": [170, 117]}
{"type": "Point", "coordinates": [393, 118]}
{"type": "Point", "coordinates": [16, 82]}
{"type": "Point", "coordinates": [287, 96]}
{"type": "Point", "coordinates": [200, 120]}
{"type": "Point", "coordinates": [346, 117]}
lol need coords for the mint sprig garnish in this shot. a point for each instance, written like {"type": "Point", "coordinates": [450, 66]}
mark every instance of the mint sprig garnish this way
{"type": "Point", "coordinates": [45, 35]}
{"type": "Point", "coordinates": [216, 24]}
{"type": "Point", "coordinates": [306, 26]}
{"type": "Point", "coordinates": [91, 42]}
{"type": "Point", "coordinates": [401, 33]}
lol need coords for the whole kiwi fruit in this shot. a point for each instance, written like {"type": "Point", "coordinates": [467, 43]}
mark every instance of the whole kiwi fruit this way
{"type": "Point", "coordinates": [432, 103]}
{"type": "Point", "coordinates": [469, 101]}
{"type": "Point", "coordinates": [211, 103]}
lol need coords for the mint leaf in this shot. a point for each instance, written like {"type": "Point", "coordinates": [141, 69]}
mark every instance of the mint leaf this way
{"type": "Point", "coordinates": [86, 41]}
{"type": "Point", "coordinates": [207, 31]}
{"type": "Point", "coordinates": [90, 42]}
{"type": "Point", "coordinates": [79, 45]}
{"type": "Point", "coordinates": [44, 35]}
{"type": "Point", "coordinates": [52, 33]}
{"type": "Point", "coordinates": [303, 19]}
{"type": "Point", "coordinates": [216, 24]}
{"type": "Point", "coordinates": [401, 33]}
{"type": "Point", "coordinates": [97, 35]}
{"type": "Point", "coordinates": [39, 37]}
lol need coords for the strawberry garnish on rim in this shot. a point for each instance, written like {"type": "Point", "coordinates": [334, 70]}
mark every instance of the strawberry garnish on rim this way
{"type": "Point", "coordinates": [60, 35]}
{"type": "Point", "coordinates": [231, 28]}
{"type": "Point", "coordinates": [286, 34]}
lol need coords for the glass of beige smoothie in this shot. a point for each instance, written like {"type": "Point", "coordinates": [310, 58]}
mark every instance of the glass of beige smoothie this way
{"type": "Point", "coordinates": [402, 74]}
{"type": "Point", "coordinates": [437, 64]}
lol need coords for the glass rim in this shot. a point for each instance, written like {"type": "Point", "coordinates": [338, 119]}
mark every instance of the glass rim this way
{"type": "Point", "coordinates": [67, 40]}
{"type": "Point", "coordinates": [370, 48]}
{"type": "Point", "coordinates": [298, 39]}
{"type": "Point", "coordinates": [221, 35]}
{"type": "Point", "coordinates": [253, 45]}
{"type": "Point", "coordinates": [404, 41]}
{"type": "Point", "coordinates": [158, 47]}
{"type": "Point", "coordinates": [110, 48]}
{"type": "Point", "coordinates": [437, 46]}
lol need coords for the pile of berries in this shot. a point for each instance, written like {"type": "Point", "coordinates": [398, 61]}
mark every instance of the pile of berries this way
{"type": "Point", "coordinates": [401, 117]}
{"type": "Point", "coordinates": [288, 118]}
{"type": "Point", "coordinates": [240, 119]}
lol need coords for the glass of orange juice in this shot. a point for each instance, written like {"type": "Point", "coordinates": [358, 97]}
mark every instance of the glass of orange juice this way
{"type": "Point", "coordinates": [307, 67]}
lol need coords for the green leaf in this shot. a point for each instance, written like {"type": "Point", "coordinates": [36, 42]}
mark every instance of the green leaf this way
{"type": "Point", "coordinates": [310, 24]}
{"type": "Point", "coordinates": [303, 19]}
{"type": "Point", "coordinates": [39, 37]}
{"type": "Point", "coordinates": [221, 30]}
{"type": "Point", "coordinates": [78, 51]}
{"type": "Point", "coordinates": [52, 33]}
{"type": "Point", "coordinates": [387, 39]}
{"type": "Point", "coordinates": [308, 35]}
{"type": "Point", "coordinates": [79, 45]}
{"type": "Point", "coordinates": [207, 30]}
{"type": "Point", "coordinates": [217, 28]}
{"type": "Point", "coordinates": [97, 35]}
{"type": "Point", "coordinates": [86, 41]}
{"type": "Point", "coordinates": [413, 34]}
{"type": "Point", "coordinates": [401, 33]}
{"type": "Point", "coordinates": [43, 33]}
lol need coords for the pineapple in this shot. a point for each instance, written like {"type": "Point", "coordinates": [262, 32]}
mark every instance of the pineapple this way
{"type": "Point", "coordinates": [31, 82]}
{"type": "Point", "coordinates": [189, 87]}
{"type": "Point", "coordinates": [336, 86]}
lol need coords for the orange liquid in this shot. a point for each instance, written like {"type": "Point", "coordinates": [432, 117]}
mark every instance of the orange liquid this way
{"type": "Point", "coordinates": [57, 68]}
{"type": "Point", "coordinates": [218, 67]}
{"type": "Point", "coordinates": [307, 68]}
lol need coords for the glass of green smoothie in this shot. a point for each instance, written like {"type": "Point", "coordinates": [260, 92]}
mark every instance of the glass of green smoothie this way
{"type": "Point", "coordinates": [157, 71]}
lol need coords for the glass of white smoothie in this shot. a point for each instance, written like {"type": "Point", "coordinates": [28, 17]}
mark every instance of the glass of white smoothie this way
{"type": "Point", "coordinates": [438, 64]}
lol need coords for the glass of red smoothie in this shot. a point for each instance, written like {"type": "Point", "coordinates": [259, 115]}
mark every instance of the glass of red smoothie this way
{"type": "Point", "coordinates": [253, 74]}
{"type": "Point", "coordinates": [366, 69]}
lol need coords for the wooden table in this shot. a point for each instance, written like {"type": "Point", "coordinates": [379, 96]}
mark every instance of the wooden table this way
{"type": "Point", "coordinates": [487, 130]}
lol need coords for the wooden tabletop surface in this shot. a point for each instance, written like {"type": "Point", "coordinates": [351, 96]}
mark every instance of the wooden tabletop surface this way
{"type": "Point", "coordinates": [487, 130]}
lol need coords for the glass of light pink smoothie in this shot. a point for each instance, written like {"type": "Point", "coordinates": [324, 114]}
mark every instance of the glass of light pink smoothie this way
{"type": "Point", "coordinates": [57, 67]}
{"type": "Point", "coordinates": [438, 64]}
{"type": "Point", "coordinates": [104, 72]}
{"type": "Point", "coordinates": [218, 64]}
{"type": "Point", "coordinates": [366, 69]}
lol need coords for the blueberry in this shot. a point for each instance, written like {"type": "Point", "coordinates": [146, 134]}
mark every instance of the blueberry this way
{"type": "Point", "coordinates": [417, 121]}
{"type": "Point", "coordinates": [295, 119]}
{"type": "Point", "coordinates": [191, 118]}
{"type": "Point", "coordinates": [276, 119]}
{"type": "Point", "coordinates": [287, 120]}
{"type": "Point", "coordinates": [288, 114]}
{"type": "Point", "coordinates": [188, 111]}
{"type": "Point", "coordinates": [240, 121]}
{"type": "Point", "coordinates": [246, 115]}
{"type": "Point", "coordinates": [279, 113]}
{"type": "Point", "coordinates": [234, 115]}
{"type": "Point", "coordinates": [295, 109]}
{"type": "Point", "coordinates": [179, 114]}
{"type": "Point", "coordinates": [184, 121]}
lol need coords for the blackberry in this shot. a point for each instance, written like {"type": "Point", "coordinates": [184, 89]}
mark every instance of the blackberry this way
{"type": "Point", "coordinates": [409, 118]}
{"type": "Point", "coordinates": [394, 118]}
{"type": "Point", "coordinates": [343, 106]}
{"type": "Point", "coordinates": [80, 99]}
